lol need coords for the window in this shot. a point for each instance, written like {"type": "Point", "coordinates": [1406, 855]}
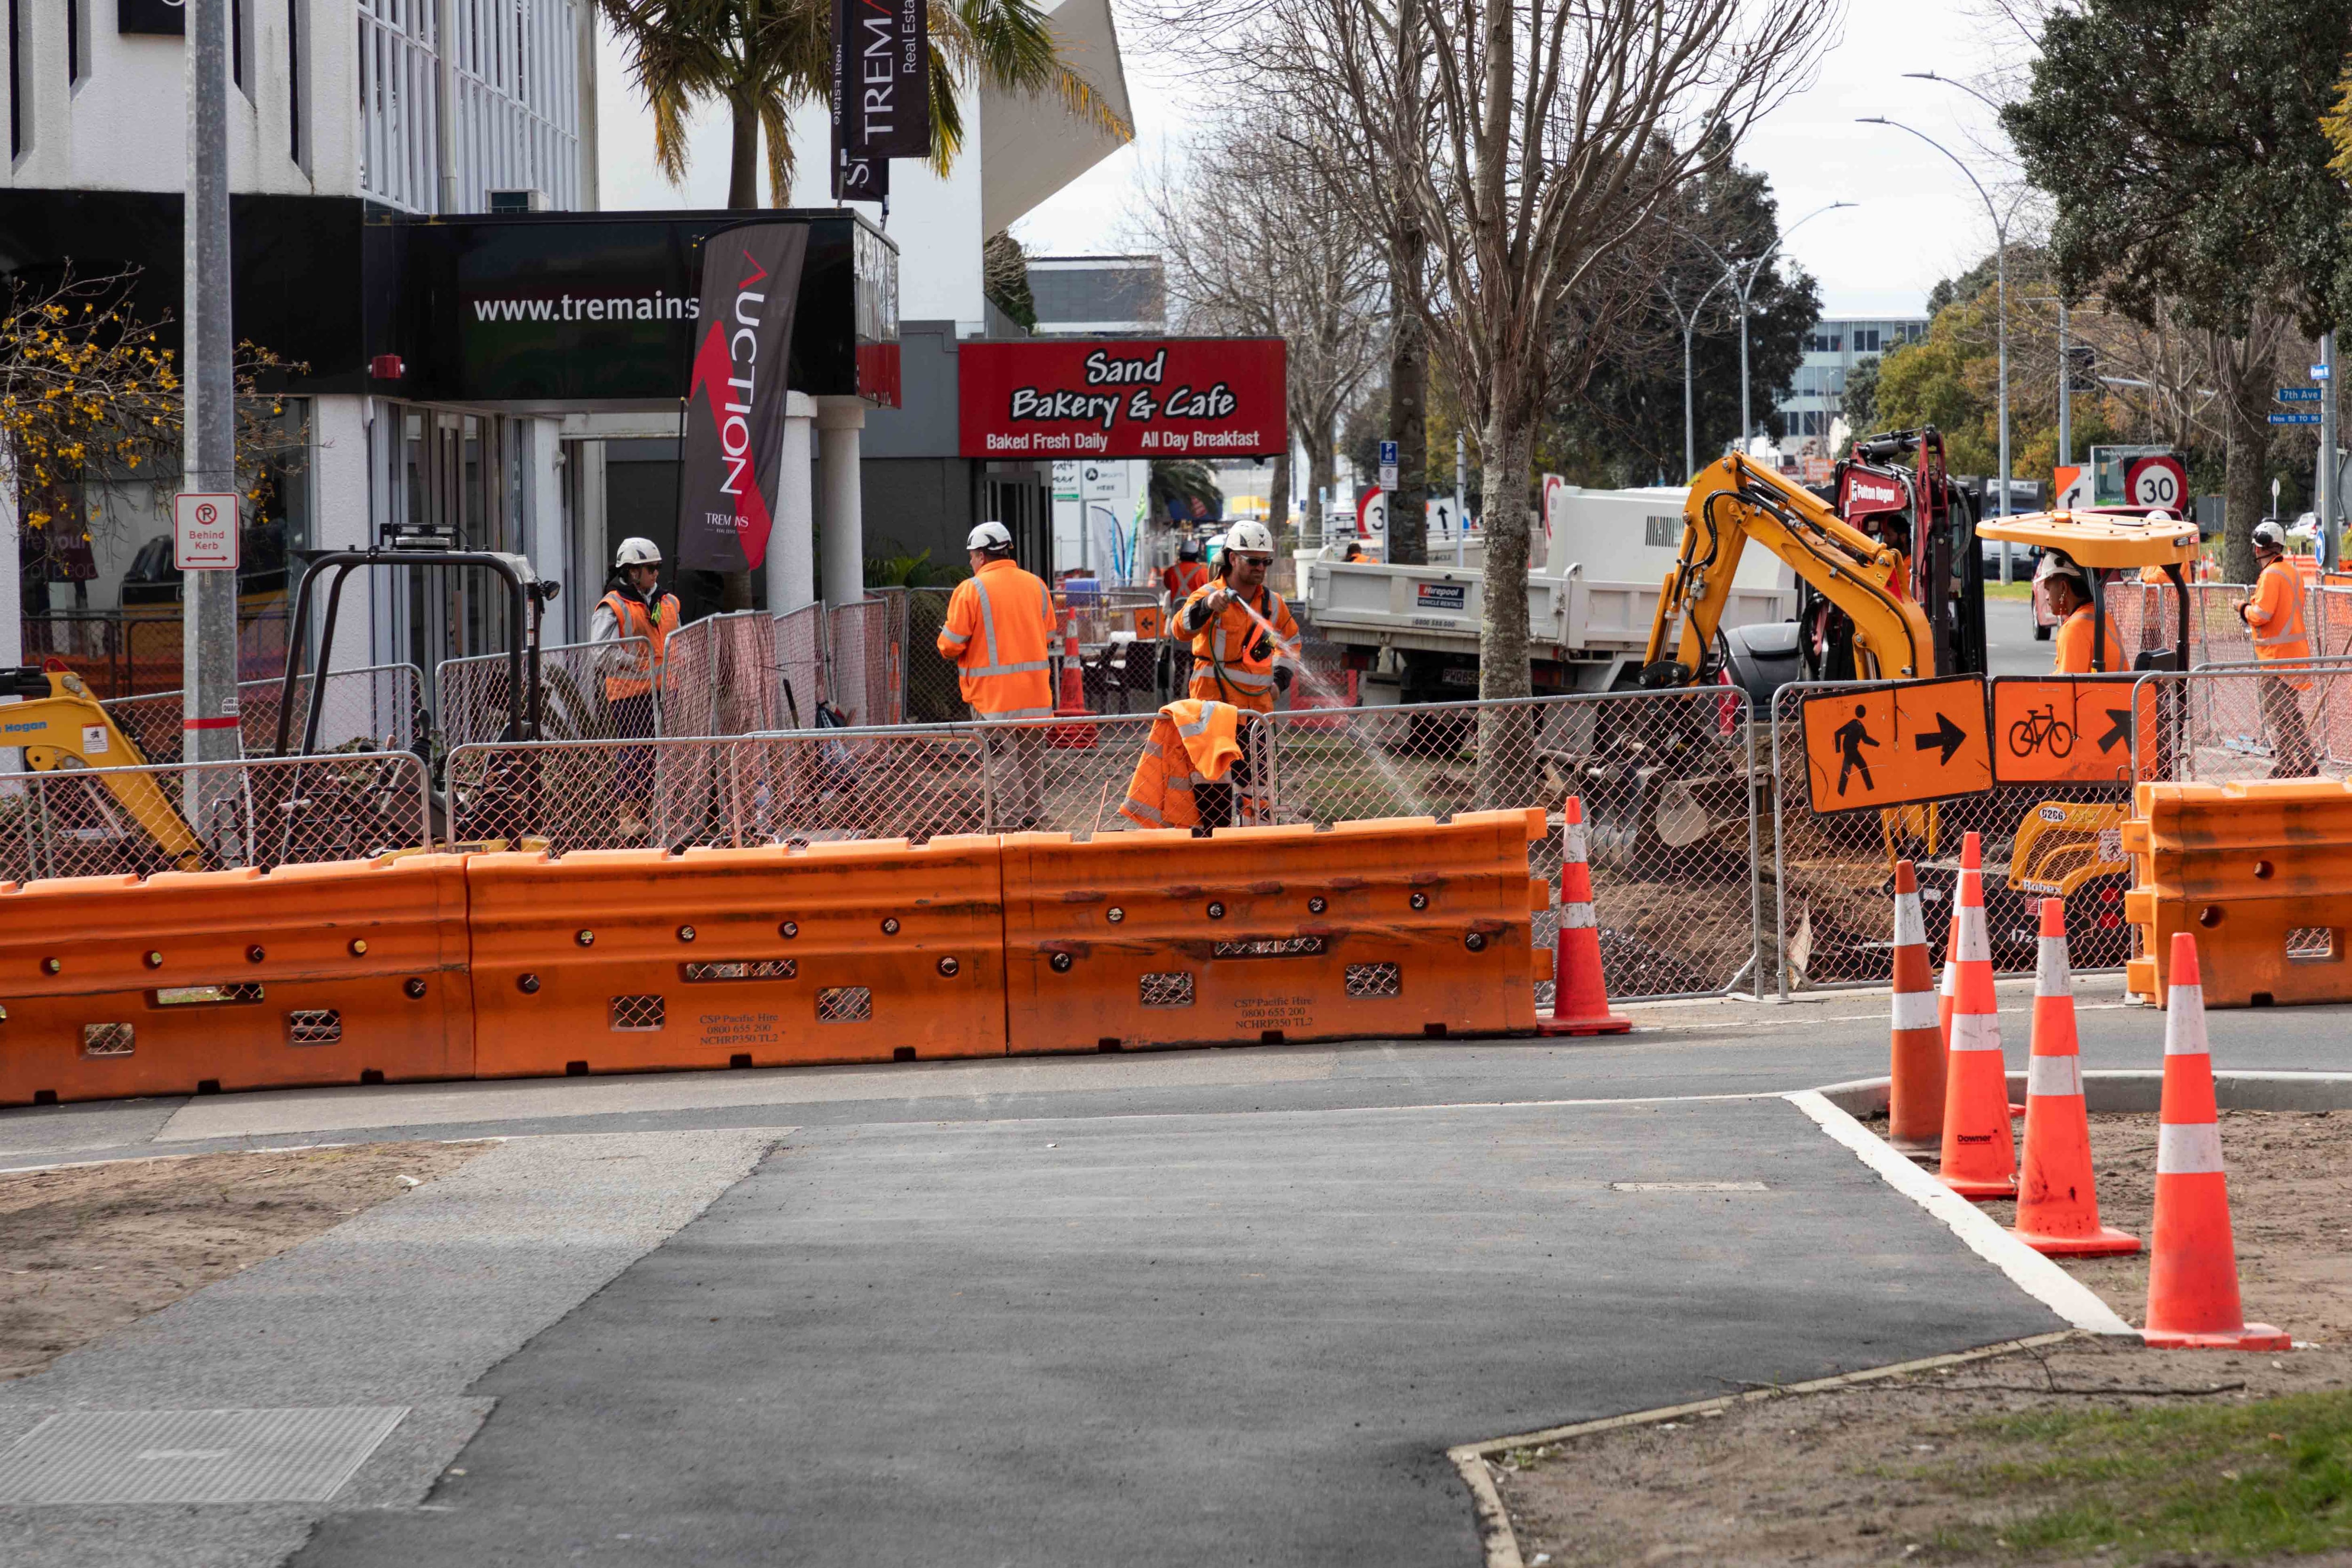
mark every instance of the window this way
{"type": "Point", "coordinates": [1824, 342]}
{"type": "Point", "coordinates": [16, 137]}
{"type": "Point", "coordinates": [1865, 339]}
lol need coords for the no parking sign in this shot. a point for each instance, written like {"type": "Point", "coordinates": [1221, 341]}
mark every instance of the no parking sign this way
{"type": "Point", "coordinates": [203, 531]}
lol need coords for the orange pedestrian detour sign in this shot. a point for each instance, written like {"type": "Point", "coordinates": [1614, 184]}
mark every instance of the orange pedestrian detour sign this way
{"type": "Point", "coordinates": [2061, 729]}
{"type": "Point", "coordinates": [1867, 747]}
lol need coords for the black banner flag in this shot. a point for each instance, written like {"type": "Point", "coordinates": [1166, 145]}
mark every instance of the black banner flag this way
{"type": "Point", "coordinates": [881, 92]}
{"type": "Point", "coordinates": [735, 397]}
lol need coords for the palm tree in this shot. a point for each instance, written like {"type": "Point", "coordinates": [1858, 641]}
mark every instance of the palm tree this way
{"type": "Point", "coordinates": [764, 57]}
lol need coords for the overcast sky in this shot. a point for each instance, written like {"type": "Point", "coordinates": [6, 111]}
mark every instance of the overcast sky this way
{"type": "Point", "coordinates": [1918, 219]}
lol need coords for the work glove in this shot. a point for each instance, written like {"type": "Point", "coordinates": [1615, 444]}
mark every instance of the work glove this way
{"type": "Point", "coordinates": [1281, 678]}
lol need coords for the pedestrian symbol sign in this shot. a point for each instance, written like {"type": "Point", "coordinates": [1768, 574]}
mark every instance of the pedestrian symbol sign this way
{"type": "Point", "coordinates": [2062, 729]}
{"type": "Point", "coordinates": [1868, 747]}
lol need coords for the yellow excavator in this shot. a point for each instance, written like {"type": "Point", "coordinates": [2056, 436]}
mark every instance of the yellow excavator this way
{"type": "Point", "coordinates": [62, 728]}
{"type": "Point", "coordinates": [1891, 589]}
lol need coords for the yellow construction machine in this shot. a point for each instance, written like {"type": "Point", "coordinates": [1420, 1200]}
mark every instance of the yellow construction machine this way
{"type": "Point", "coordinates": [61, 727]}
{"type": "Point", "coordinates": [1890, 588]}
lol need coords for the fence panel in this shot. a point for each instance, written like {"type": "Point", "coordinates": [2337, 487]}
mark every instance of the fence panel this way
{"type": "Point", "coordinates": [1062, 775]}
{"type": "Point", "coordinates": [1829, 908]}
{"type": "Point", "coordinates": [2276, 720]}
{"type": "Point", "coordinates": [676, 792]}
{"type": "Point", "coordinates": [378, 708]}
{"type": "Point", "coordinates": [934, 692]}
{"type": "Point", "coordinates": [1666, 779]}
{"type": "Point", "coordinates": [719, 677]}
{"type": "Point", "coordinates": [261, 812]}
{"type": "Point", "coordinates": [799, 640]}
{"type": "Point", "coordinates": [575, 701]}
{"type": "Point", "coordinates": [858, 678]}
{"type": "Point", "coordinates": [2146, 616]}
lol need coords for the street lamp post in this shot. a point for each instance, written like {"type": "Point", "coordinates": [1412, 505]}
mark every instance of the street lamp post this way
{"type": "Point", "coordinates": [1689, 323]}
{"type": "Point", "coordinates": [1745, 274]}
{"type": "Point", "coordinates": [2001, 274]}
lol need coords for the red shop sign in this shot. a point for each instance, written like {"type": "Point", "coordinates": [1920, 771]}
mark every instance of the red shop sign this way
{"type": "Point", "coordinates": [1135, 397]}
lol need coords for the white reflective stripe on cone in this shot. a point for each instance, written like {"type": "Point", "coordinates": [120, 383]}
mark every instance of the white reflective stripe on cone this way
{"type": "Point", "coordinates": [1578, 917]}
{"type": "Point", "coordinates": [2184, 1022]}
{"type": "Point", "coordinates": [1974, 947]}
{"type": "Point", "coordinates": [1975, 1032]}
{"type": "Point", "coordinates": [1915, 1009]}
{"type": "Point", "coordinates": [2052, 974]}
{"type": "Point", "coordinates": [1947, 983]}
{"type": "Point", "coordinates": [1572, 843]}
{"type": "Point", "coordinates": [2049, 1076]}
{"type": "Point", "coordinates": [1910, 930]}
{"type": "Point", "coordinates": [2187, 1151]}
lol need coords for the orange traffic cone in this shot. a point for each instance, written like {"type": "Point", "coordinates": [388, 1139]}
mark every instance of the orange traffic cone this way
{"type": "Point", "coordinates": [2193, 1273]}
{"type": "Point", "coordinates": [1971, 859]}
{"type": "Point", "coordinates": [2057, 1203]}
{"type": "Point", "coordinates": [1979, 1152]}
{"type": "Point", "coordinates": [1073, 705]}
{"type": "Point", "coordinates": [1914, 1095]}
{"type": "Point", "coordinates": [1580, 992]}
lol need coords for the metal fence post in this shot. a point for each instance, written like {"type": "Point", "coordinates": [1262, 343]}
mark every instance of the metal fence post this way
{"type": "Point", "coordinates": [1779, 869]}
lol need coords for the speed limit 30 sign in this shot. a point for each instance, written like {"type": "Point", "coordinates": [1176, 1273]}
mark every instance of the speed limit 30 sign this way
{"type": "Point", "coordinates": [204, 532]}
{"type": "Point", "coordinates": [2156, 481]}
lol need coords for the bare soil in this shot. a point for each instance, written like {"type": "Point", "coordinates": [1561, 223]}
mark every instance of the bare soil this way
{"type": "Point", "coordinates": [2028, 1456]}
{"type": "Point", "coordinates": [87, 1248]}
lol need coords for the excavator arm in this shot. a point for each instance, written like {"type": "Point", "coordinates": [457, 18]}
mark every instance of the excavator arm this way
{"type": "Point", "coordinates": [62, 728]}
{"type": "Point", "coordinates": [1734, 500]}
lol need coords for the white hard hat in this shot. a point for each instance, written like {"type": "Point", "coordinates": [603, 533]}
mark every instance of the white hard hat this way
{"type": "Point", "coordinates": [2268, 535]}
{"type": "Point", "coordinates": [1251, 539]}
{"type": "Point", "coordinates": [637, 553]}
{"type": "Point", "coordinates": [989, 536]}
{"type": "Point", "coordinates": [2055, 564]}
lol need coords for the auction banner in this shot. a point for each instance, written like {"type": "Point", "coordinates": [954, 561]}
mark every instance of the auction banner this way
{"type": "Point", "coordinates": [1147, 397]}
{"type": "Point", "coordinates": [735, 397]}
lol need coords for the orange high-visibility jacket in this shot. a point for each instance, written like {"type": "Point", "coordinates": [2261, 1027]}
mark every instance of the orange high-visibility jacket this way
{"type": "Point", "coordinates": [2275, 614]}
{"type": "Point", "coordinates": [1224, 668]}
{"type": "Point", "coordinates": [630, 615]}
{"type": "Point", "coordinates": [999, 628]}
{"type": "Point", "coordinates": [2073, 651]}
{"type": "Point", "coordinates": [1192, 742]}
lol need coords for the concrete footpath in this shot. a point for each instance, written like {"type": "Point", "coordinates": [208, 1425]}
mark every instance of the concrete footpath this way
{"type": "Point", "coordinates": [1182, 1339]}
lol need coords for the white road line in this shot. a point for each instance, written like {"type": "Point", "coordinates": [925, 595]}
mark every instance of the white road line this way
{"type": "Point", "coordinates": [2033, 1273]}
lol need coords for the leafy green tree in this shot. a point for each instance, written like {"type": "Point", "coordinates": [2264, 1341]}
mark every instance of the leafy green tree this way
{"type": "Point", "coordinates": [2182, 142]}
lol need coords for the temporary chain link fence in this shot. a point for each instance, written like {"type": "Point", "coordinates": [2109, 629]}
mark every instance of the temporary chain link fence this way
{"type": "Point", "coordinates": [2284, 719]}
{"type": "Point", "coordinates": [861, 679]}
{"type": "Point", "coordinates": [743, 790]}
{"type": "Point", "coordinates": [800, 665]}
{"type": "Point", "coordinates": [934, 691]}
{"type": "Point", "coordinates": [262, 812]}
{"type": "Point", "coordinates": [378, 708]}
{"type": "Point", "coordinates": [719, 677]}
{"type": "Point", "coordinates": [587, 692]}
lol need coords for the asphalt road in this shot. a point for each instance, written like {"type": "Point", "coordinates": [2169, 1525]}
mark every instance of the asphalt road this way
{"type": "Point", "coordinates": [1186, 1339]}
{"type": "Point", "coordinates": [2010, 648]}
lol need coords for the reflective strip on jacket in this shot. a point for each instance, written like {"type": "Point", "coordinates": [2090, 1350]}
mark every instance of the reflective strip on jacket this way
{"type": "Point", "coordinates": [1191, 743]}
{"type": "Point", "coordinates": [2274, 615]}
{"type": "Point", "coordinates": [1185, 579]}
{"type": "Point", "coordinates": [999, 631]}
{"type": "Point", "coordinates": [631, 619]}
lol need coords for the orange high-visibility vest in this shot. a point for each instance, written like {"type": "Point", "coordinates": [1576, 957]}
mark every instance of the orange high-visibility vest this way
{"type": "Point", "coordinates": [635, 621]}
{"type": "Point", "coordinates": [1191, 743]}
{"type": "Point", "coordinates": [2073, 649]}
{"type": "Point", "coordinates": [1224, 669]}
{"type": "Point", "coordinates": [999, 629]}
{"type": "Point", "coordinates": [1182, 578]}
{"type": "Point", "coordinates": [2275, 614]}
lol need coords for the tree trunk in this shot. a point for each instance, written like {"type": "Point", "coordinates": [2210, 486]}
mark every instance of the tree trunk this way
{"type": "Point", "coordinates": [743, 156]}
{"type": "Point", "coordinates": [1408, 411]}
{"type": "Point", "coordinates": [1318, 480]}
{"type": "Point", "coordinates": [1506, 759]}
{"type": "Point", "coordinates": [1277, 502]}
{"type": "Point", "coordinates": [2245, 455]}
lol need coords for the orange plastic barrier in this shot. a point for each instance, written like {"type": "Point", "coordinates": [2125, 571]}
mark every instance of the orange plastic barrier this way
{"type": "Point", "coordinates": [2257, 872]}
{"type": "Point", "coordinates": [636, 959]}
{"type": "Point", "coordinates": [191, 982]}
{"type": "Point", "coordinates": [1267, 934]}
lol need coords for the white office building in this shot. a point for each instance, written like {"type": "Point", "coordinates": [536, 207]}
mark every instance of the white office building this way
{"type": "Point", "coordinates": [1814, 399]}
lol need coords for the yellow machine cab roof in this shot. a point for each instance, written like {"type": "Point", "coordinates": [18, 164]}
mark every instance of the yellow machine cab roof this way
{"type": "Point", "coordinates": [2105, 541]}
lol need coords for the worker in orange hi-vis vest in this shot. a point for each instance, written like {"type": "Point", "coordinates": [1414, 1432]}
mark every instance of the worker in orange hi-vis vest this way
{"type": "Point", "coordinates": [1244, 640]}
{"type": "Point", "coordinates": [2065, 587]}
{"type": "Point", "coordinates": [1186, 574]}
{"type": "Point", "coordinates": [1000, 627]}
{"type": "Point", "coordinates": [634, 609]}
{"type": "Point", "coordinates": [2274, 615]}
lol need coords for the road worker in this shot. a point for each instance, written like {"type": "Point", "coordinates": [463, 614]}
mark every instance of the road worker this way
{"type": "Point", "coordinates": [1000, 627]}
{"type": "Point", "coordinates": [1187, 574]}
{"type": "Point", "coordinates": [1195, 770]}
{"type": "Point", "coordinates": [2274, 616]}
{"type": "Point", "coordinates": [1244, 640]}
{"type": "Point", "coordinates": [633, 610]}
{"type": "Point", "coordinates": [2066, 589]}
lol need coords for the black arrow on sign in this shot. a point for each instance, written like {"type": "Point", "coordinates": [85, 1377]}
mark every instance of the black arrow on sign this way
{"type": "Point", "coordinates": [2118, 732]}
{"type": "Point", "coordinates": [1948, 735]}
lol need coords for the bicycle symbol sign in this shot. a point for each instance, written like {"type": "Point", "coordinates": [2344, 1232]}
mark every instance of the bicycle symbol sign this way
{"type": "Point", "coordinates": [2062, 729]}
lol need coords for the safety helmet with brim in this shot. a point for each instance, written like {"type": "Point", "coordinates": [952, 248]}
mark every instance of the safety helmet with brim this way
{"type": "Point", "coordinates": [989, 536]}
{"type": "Point", "coordinates": [635, 552]}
